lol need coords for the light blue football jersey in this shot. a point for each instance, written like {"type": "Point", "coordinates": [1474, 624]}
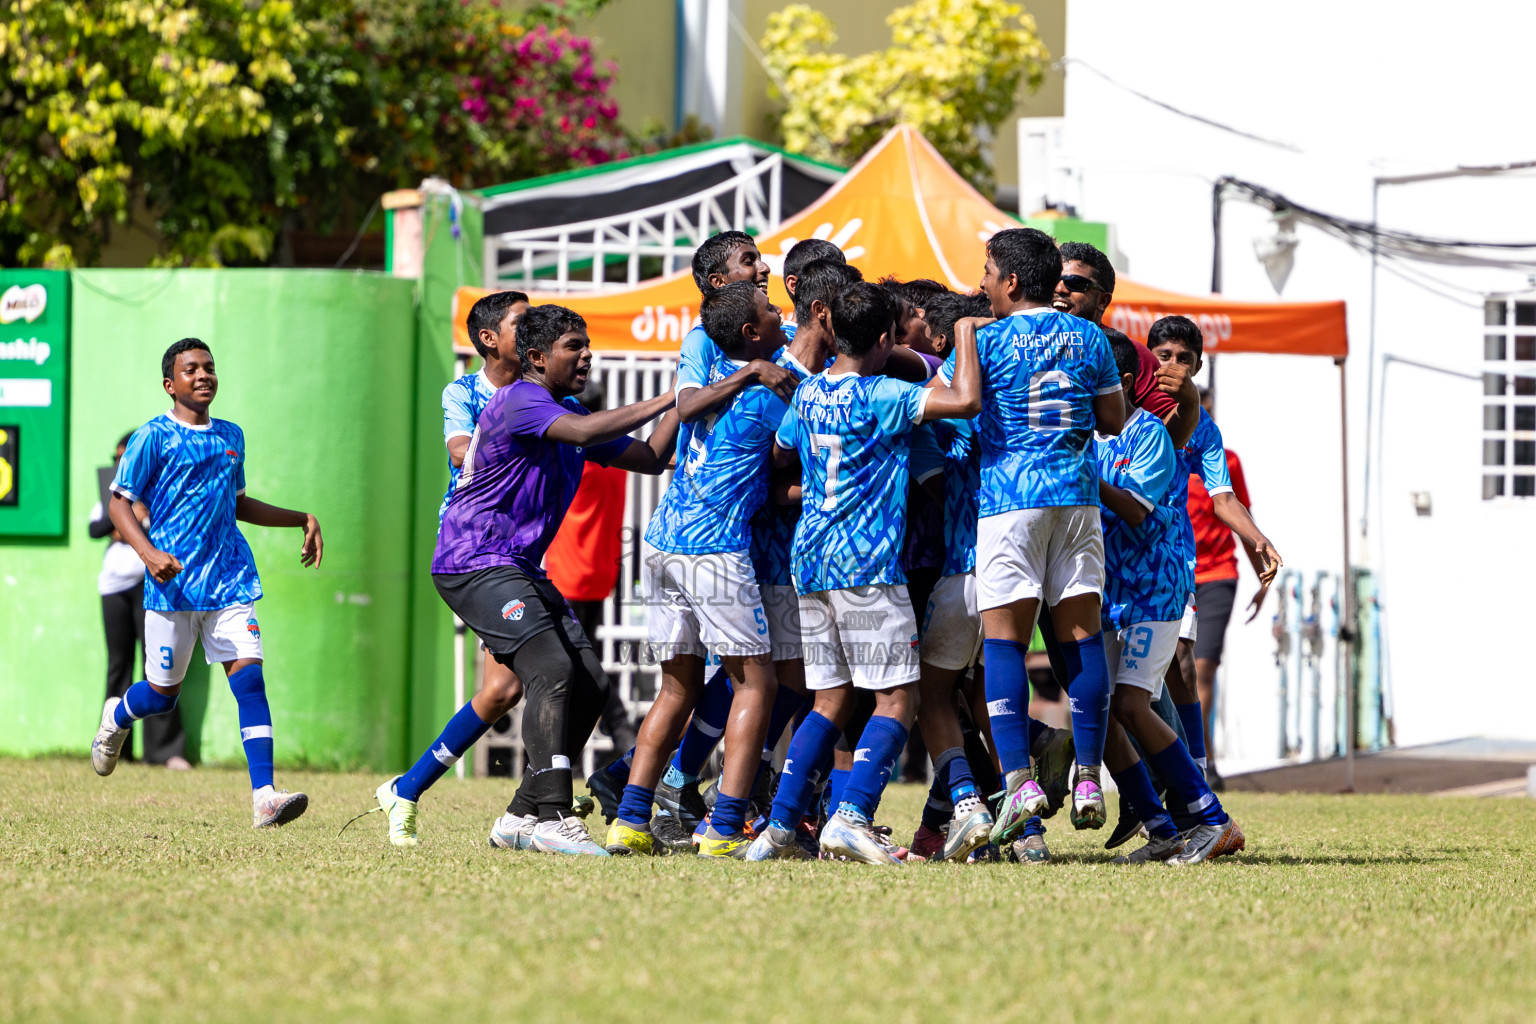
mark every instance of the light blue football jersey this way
{"type": "Point", "coordinates": [1207, 455]}
{"type": "Point", "coordinates": [852, 435]}
{"type": "Point", "coordinates": [773, 528]}
{"type": "Point", "coordinates": [949, 447]}
{"type": "Point", "coordinates": [1040, 372]}
{"type": "Point", "coordinates": [715, 492]}
{"type": "Point", "coordinates": [696, 359]}
{"type": "Point", "coordinates": [188, 477]}
{"type": "Point", "coordinates": [463, 401]}
{"type": "Point", "coordinates": [1146, 577]}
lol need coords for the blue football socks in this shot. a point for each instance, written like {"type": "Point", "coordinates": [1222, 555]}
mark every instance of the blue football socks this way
{"type": "Point", "coordinates": [1192, 718]}
{"type": "Point", "coordinates": [809, 750]}
{"type": "Point", "coordinates": [955, 770]}
{"type": "Point", "coordinates": [706, 726]}
{"type": "Point", "coordinates": [619, 768]}
{"type": "Point", "coordinates": [1136, 787]}
{"type": "Point", "coordinates": [142, 701]}
{"type": "Point", "coordinates": [837, 782]}
{"type": "Point", "coordinates": [874, 759]}
{"type": "Point", "coordinates": [1187, 792]}
{"type": "Point", "coordinates": [250, 690]}
{"type": "Point", "coordinates": [1087, 696]}
{"type": "Point", "coordinates": [729, 814]}
{"type": "Point", "coordinates": [786, 705]}
{"type": "Point", "coordinates": [1008, 702]}
{"type": "Point", "coordinates": [461, 732]}
{"type": "Point", "coordinates": [635, 806]}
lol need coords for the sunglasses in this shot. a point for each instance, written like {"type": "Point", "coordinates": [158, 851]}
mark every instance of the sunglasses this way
{"type": "Point", "coordinates": [1079, 283]}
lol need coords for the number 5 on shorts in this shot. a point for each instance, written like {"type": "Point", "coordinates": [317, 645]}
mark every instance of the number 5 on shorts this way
{"type": "Point", "coordinates": [762, 623]}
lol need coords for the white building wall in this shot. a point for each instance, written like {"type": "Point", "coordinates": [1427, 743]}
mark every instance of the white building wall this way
{"type": "Point", "coordinates": [1361, 90]}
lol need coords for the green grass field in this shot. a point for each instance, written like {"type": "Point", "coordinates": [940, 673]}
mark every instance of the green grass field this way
{"type": "Point", "coordinates": [148, 897]}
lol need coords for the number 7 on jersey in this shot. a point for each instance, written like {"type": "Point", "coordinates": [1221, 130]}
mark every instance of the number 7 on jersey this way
{"type": "Point", "coordinates": [833, 446]}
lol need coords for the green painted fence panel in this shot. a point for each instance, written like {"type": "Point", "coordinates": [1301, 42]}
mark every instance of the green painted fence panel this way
{"type": "Point", "coordinates": [319, 368]}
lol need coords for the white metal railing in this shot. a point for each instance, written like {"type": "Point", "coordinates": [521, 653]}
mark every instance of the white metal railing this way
{"type": "Point", "coordinates": [626, 378]}
{"type": "Point", "coordinates": [1310, 665]}
{"type": "Point", "coordinates": [749, 201]}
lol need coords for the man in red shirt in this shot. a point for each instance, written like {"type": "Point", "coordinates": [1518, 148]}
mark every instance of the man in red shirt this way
{"type": "Point", "coordinates": [1216, 583]}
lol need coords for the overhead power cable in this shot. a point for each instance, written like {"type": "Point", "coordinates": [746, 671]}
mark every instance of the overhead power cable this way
{"type": "Point", "coordinates": [1061, 65]}
{"type": "Point", "coordinates": [1389, 244]}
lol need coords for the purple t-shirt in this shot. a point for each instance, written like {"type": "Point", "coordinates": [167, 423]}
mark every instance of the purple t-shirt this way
{"type": "Point", "coordinates": [516, 486]}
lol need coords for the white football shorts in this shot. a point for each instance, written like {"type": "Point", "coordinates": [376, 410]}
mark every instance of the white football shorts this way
{"type": "Point", "coordinates": [229, 634]}
{"type": "Point", "coordinates": [1139, 655]}
{"type": "Point", "coordinates": [1051, 553]}
{"type": "Point", "coordinates": [952, 625]}
{"type": "Point", "coordinates": [866, 636]}
{"type": "Point", "coordinates": [1189, 627]}
{"type": "Point", "coordinates": [698, 604]}
{"type": "Point", "coordinates": [782, 606]}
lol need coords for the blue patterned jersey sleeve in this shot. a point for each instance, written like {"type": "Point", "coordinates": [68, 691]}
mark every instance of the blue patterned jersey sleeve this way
{"type": "Point", "coordinates": [139, 467]}
{"type": "Point", "coordinates": [927, 458]}
{"type": "Point", "coordinates": [240, 463]}
{"type": "Point", "coordinates": [789, 429]}
{"type": "Point", "coordinates": [898, 406]}
{"type": "Point", "coordinates": [1150, 468]}
{"type": "Point", "coordinates": [695, 359]}
{"type": "Point", "coordinates": [458, 416]}
{"type": "Point", "coordinates": [1212, 464]}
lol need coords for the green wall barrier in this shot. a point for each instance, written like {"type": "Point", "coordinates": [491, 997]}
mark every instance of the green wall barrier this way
{"type": "Point", "coordinates": [320, 369]}
{"type": "Point", "coordinates": [448, 263]}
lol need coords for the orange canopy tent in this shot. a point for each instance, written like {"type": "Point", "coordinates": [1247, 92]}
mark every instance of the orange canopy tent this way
{"type": "Point", "coordinates": [903, 210]}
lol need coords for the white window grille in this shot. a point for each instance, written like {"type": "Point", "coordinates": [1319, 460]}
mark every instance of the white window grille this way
{"type": "Point", "coordinates": [1509, 396]}
{"type": "Point", "coordinates": [541, 259]}
{"type": "Point", "coordinates": [626, 378]}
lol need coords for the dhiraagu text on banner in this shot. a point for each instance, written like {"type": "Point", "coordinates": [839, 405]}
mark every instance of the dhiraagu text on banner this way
{"type": "Point", "coordinates": [34, 401]}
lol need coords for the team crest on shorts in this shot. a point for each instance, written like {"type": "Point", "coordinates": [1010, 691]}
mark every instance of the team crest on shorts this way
{"type": "Point", "coordinates": [252, 628]}
{"type": "Point", "coordinates": [915, 642]}
{"type": "Point", "coordinates": [513, 610]}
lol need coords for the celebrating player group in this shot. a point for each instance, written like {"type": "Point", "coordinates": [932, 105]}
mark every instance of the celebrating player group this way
{"type": "Point", "coordinates": [871, 511]}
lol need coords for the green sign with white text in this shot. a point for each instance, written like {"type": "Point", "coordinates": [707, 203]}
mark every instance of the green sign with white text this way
{"type": "Point", "coordinates": [34, 401]}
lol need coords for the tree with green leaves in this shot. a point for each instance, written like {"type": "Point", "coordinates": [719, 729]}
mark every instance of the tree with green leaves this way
{"type": "Point", "coordinates": [953, 72]}
{"type": "Point", "coordinates": [227, 122]}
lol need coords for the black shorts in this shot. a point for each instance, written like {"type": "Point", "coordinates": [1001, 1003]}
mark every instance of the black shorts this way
{"type": "Point", "coordinates": [1213, 606]}
{"type": "Point", "coordinates": [506, 608]}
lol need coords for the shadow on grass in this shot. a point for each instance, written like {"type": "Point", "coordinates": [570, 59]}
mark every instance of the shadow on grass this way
{"type": "Point", "coordinates": [1292, 860]}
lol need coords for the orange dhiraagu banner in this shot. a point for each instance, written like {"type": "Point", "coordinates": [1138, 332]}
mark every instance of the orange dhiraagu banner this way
{"type": "Point", "coordinates": [903, 210]}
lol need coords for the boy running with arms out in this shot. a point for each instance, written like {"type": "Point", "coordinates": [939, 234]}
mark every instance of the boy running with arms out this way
{"type": "Point", "coordinates": [200, 579]}
{"type": "Point", "coordinates": [521, 470]}
{"type": "Point", "coordinates": [701, 591]}
{"type": "Point", "coordinates": [849, 428]}
{"type": "Point", "coordinates": [1047, 379]}
{"type": "Point", "coordinates": [1147, 587]}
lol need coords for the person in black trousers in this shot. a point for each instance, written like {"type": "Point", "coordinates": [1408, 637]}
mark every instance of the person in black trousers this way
{"type": "Point", "coordinates": [121, 585]}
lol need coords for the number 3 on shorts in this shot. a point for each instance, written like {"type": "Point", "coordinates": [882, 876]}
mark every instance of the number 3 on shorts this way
{"type": "Point", "coordinates": [167, 658]}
